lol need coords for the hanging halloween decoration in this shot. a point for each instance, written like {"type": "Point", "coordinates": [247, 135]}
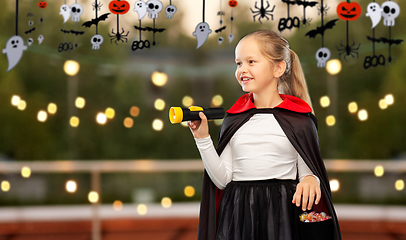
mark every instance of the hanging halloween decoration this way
{"type": "Point", "coordinates": [221, 28]}
{"type": "Point", "coordinates": [97, 39]}
{"type": "Point", "coordinates": [14, 46]}
{"type": "Point", "coordinates": [202, 30]}
{"type": "Point", "coordinates": [232, 4]}
{"type": "Point", "coordinates": [118, 7]}
{"type": "Point", "coordinates": [348, 11]}
{"type": "Point", "coordinates": [170, 10]}
{"type": "Point", "coordinates": [289, 22]}
{"type": "Point", "coordinates": [389, 11]}
{"type": "Point", "coordinates": [42, 5]}
{"type": "Point", "coordinates": [30, 16]}
{"type": "Point", "coordinates": [262, 12]}
{"type": "Point", "coordinates": [305, 4]}
{"type": "Point", "coordinates": [74, 11]}
{"type": "Point", "coordinates": [323, 54]}
{"type": "Point", "coordinates": [153, 8]}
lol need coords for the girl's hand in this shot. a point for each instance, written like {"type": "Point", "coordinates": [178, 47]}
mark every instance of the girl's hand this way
{"type": "Point", "coordinates": [309, 188]}
{"type": "Point", "coordinates": [199, 128]}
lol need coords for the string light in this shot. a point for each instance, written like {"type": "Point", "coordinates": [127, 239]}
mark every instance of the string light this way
{"type": "Point", "coordinates": [71, 67]}
{"type": "Point", "coordinates": [128, 122]}
{"type": "Point", "coordinates": [142, 209]}
{"type": "Point", "coordinates": [110, 113]}
{"type": "Point", "coordinates": [15, 100]}
{"type": "Point", "coordinates": [93, 197]}
{"type": "Point", "coordinates": [159, 104]}
{"type": "Point", "coordinates": [22, 105]}
{"type": "Point", "coordinates": [325, 101]}
{"type": "Point", "coordinates": [330, 120]}
{"type": "Point", "coordinates": [352, 107]}
{"type": "Point", "coordinates": [189, 191]}
{"type": "Point", "coordinates": [157, 124]}
{"type": "Point", "coordinates": [42, 116]}
{"type": "Point", "coordinates": [25, 172]}
{"type": "Point", "coordinates": [159, 78]}
{"type": "Point", "coordinates": [52, 108]}
{"type": "Point", "coordinates": [334, 185]}
{"type": "Point", "coordinates": [383, 104]}
{"type": "Point", "coordinates": [101, 118]}
{"type": "Point", "coordinates": [5, 186]}
{"type": "Point", "coordinates": [80, 102]}
{"type": "Point", "coordinates": [362, 115]}
{"type": "Point", "coordinates": [379, 171]}
{"type": "Point", "coordinates": [399, 184]}
{"type": "Point", "coordinates": [166, 202]}
{"type": "Point", "coordinates": [389, 99]}
{"type": "Point", "coordinates": [134, 111]}
{"type": "Point", "coordinates": [74, 121]}
{"type": "Point", "coordinates": [333, 66]}
{"type": "Point", "coordinates": [71, 186]}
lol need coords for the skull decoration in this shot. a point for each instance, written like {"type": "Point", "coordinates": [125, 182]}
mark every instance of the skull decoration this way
{"type": "Point", "coordinates": [96, 41]}
{"type": "Point", "coordinates": [153, 8]}
{"type": "Point", "coordinates": [170, 10]}
{"type": "Point", "coordinates": [322, 55]}
{"type": "Point", "coordinates": [76, 11]}
{"type": "Point", "coordinates": [30, 41]}
{"type": "Point", "coordinates": [390, 11]}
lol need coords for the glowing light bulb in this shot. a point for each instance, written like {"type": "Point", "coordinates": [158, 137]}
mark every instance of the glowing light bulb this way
{"type": "Point", "coordinates": [166, 202]}
{"type": "Point", "coordinates": [334, 185]}
{"type": "Point", "coordinates": [189, 191]}
{"type": "Point", "coordinates": [71, 186]}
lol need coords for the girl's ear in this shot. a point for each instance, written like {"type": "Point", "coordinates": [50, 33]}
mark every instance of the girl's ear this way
{"type": "Point", "coordinates": [280, 68]}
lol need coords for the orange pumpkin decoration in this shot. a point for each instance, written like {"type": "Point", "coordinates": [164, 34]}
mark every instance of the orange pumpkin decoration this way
{"type": "Point", "coordinates": [232, 3]}
{"type": "Point", "coordinates": [349, 11]}
{"type": "Point", "coordinates": [42, 4]}
{"type": "Point", "coordinates": [119, 7]}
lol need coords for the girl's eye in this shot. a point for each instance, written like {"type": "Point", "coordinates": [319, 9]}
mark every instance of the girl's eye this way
{"type": "Point", "coordinates": [238, 63]}
{"type": "Point", "coordinates": [252, 61]}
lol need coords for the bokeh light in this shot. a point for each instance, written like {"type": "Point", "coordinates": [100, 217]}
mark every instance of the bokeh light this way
{"type": "Point", "coordinates": [42, 116]}
{"type": "Point", "coordinates": [52, 108]}
{"type": "Point", "coordinates": [166, 202]}
{"type": "Point", "coordinates": [118, 205]}
{"type": "Point", "coordinates": [325, 101]}
{"type": "Point", "coordinates": [379, 171]}
{"type": "Point", "coordinates": [362, 115]}
{"type": "Point", "coordinates": [134, 111]}
{"type": "Point", "coordinates": [101, 118]}
{"type": "Point", "coordinates": [142, 209]}
{"type": "Point", "coordinates": [25, 172]}
{"type": "Point", "coordinates": [352, 107]}
{"type": "Point", "coordinates": [217, 101]}
{"type": "Point", "coordinates": [15, 100]}
{"type": "Point", "coordinates": [128, 122]}
{"type": "Point", "coordinates": [399, 184]}
{"type": "Point", "coordinates": [383, 104]}
{"type": "Point", "coordinates": [159, 104]}
{"type": "Point", "coordinates": [187, 101]}
{"type": "Point", "coordinates": [159, 78]}
{"type": "Point", "coordinates": [330, 120]}
{"type": "Point", "coordinates": [334, 185]}
{"type": "Point", "coordinates": [71, 67]}
{"type": "Point", "coordinates": [74, 121]}
{"type": "Point", "coordinates": [71, 186]}
{"type": "Point", "coordinates": [110, 113]}
{"type": "Point", "coordinates": [389, 99]}
{"type": "Point", "coordinates": [22, 105]}
{"type": "Point", "coordinates": [93, 197]}
{"type": "Point", "coordinates": [189, 191]}
{"type": "Point", "coordinates": [333, 66]}
{"type": "Point", "coordinates": [5, 186]}
{"type": "Point", "coordinates": [80, 102]}
{"type": "Point", "coordinates": [157, 124]}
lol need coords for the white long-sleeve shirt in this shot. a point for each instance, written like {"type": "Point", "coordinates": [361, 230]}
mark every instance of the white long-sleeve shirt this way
{"type": "Point", "coordinates": [259, 150]}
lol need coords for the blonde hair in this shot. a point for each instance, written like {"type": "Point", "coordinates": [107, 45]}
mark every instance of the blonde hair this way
{"type": "Point", "coordinates": [275, 48]}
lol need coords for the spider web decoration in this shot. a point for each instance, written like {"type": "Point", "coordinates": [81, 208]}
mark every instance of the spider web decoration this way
{"type": "Point", "coordinates": [14, 46]}
{"type": "Point", "coordinates": [389, 11]}
{"type": "Point", "coordinates": [348, 11]}
{"type": "Point", "coordinates": [202, 30]}
{"type": "Point", "coordinates": [323, 54]}
{"type": "Point", "coordinates": [118, 7]}
{"type": "Point", "coordinates": [74, 11]}
{"type": "Point", "coordinates": [30, 16]}
{"type": "Point", "coordinates": [232, 4]}
{"type": "Point", "coordinates": [42, 5]}
{"type": "Point", "coordinates": [97, 39]}
{"type": "Point", "coordinates": [262, 12]}
{"type": "Point", "coordinates": [220, 13]}
{"type": "Point", "coordinates": [288, 22]}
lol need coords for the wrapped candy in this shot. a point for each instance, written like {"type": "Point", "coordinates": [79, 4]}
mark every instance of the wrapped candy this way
{"type": "Point", "coordinates": [313, 217]}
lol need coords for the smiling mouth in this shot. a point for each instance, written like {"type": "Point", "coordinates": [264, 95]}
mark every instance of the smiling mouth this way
{"type": "Point", "coordinates": [245, 79]}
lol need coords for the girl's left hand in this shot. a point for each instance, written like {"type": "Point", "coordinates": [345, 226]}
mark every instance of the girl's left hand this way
{"type": "Point", "coordinates": [310, 189]}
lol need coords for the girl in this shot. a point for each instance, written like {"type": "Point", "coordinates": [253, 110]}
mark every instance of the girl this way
{"type": "Point", "coordinates": [267, 167]}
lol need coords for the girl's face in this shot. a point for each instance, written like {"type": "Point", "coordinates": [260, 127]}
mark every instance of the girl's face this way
{"type": "Point", "coordinates": [254, 72]}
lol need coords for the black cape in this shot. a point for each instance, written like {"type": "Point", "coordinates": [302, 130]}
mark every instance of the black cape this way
{"type": "Point", "coordinates": [300, 128]}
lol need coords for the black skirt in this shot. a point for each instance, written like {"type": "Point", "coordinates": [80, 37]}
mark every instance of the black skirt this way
{"type": "Point", "coordinates": [258, 210]}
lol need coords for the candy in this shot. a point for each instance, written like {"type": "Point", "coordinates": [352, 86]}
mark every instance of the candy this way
{"type": "Point", "coordinates": [313, 217]}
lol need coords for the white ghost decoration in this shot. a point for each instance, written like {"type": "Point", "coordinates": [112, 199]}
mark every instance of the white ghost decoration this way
{"type": "Point", "coordinates": [14, 51]}
{"type": "Point", "coordinates": [374, 11]}
{"type": "Point", "coordinates": [201, 33]}
{"type": "Point", "coordinates": [170, 10]}
{"type": "Point", "coordinates": [230, 37]}
{"type": "Point", "coordinates": [65, 12]}
{"type": "Point", "coordinates": [322, 55]}
{"type": "Point", "coordinates": [96, 41]}
{"type": "Point", "coordinates": [40, 39]}
{"type": "Point", "coordinates": [141, 8]}
{"type": "Point", "coordinates": [390, 11]}
{"type": "Point", "coordinates": [154, 7]}
{"type": "Point", "coordinates": [76, 10]}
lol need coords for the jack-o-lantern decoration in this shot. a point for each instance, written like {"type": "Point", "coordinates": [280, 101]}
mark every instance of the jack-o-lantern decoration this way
{"type": "Point", "coordinates": [119, 7]}
{"type": "Point", "coordinates": [349, 11]}
{"type": "Point", "coordinates": [42, 4]}
{"type": "Point", "coordinates": [232, 3]}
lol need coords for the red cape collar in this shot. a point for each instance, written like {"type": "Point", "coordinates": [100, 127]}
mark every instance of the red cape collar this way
{"type": "Point", "coordinates": [291, 103]}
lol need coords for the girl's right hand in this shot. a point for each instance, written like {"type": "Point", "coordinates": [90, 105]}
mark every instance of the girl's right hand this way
{"type": "Point", "coordinates": [199, 128]}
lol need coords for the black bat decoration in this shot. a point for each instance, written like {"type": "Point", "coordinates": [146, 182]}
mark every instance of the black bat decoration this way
{"type": "Point", "coordinates": [72, 31]}
{"type": "Point", "coordinates": [306, 4]}
{"type": "Point", "coordinates": [289, 2]}
{"type": "Point", "coordinates": [320, 30]}
{"type": "Point", "coordinates": [149, 29]}
{"type": "Point", "coordinates": [29, 31]}
{"type": "Point", "coordinates": [95, 21]}
{"type": "Point", "coordinates": [220, 29]}
{"type": "Point", "coordinates": [385, 40]}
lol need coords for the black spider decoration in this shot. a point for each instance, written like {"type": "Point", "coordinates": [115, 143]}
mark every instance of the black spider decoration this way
{"type": "Point", "coordinates": [263, 12]}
